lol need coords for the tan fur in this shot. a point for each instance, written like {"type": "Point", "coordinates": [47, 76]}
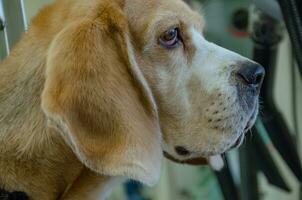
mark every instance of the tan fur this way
{"type": "Point", "coordinates": [104, 114]}
{"type": "Point", "coordinates": [88, 94]}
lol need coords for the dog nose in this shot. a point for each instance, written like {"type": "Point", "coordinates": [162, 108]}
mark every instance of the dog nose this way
{"type": "Point", "coordinates": [251, 74]}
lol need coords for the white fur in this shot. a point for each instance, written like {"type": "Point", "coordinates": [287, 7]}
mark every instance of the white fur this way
{"type": "Point", "coordinates": [211, 61]}
{"type": "Point", "coordinates": [212, 66]}
{"type": "Point", "coordinates": [216, 162]}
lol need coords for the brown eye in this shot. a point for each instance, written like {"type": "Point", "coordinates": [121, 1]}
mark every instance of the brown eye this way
{"type": "Point", "coordinates": [170, 38]}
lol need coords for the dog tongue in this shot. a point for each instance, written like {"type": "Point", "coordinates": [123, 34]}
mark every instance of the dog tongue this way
{"type": "Point", "coordinates": [216, 162]}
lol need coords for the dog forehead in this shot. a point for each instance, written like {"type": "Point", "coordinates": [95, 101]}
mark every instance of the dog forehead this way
{"type": "Point", "coordinates": [151, 15]}
{"type": "Point", "coordinates": [142, 10]}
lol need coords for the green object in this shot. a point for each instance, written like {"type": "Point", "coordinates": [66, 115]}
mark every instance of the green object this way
{"type": "Point", "coordinates": [207, 187]}
{"type": "Point", "coordinates": [263, 133]}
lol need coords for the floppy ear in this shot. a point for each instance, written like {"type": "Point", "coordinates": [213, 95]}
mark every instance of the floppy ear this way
{"type": "Point", "coordinates": [97, 97]}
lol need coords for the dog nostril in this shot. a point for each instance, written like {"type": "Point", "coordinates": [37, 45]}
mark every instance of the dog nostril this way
{"type": "Point", "coordinates": [251, 74]}
{"type": "Point", "coordinates": [182, 151]}
{"type": "Point", "coordinates": [259, 78]}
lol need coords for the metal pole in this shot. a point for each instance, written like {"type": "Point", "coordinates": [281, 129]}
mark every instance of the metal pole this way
{"type": "Point", "coordinates": [4, 47]}
{"type": "Point", "coordinates": [13, 24]}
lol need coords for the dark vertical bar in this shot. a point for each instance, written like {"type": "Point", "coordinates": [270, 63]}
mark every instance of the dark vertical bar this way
{"type": "Point", "coordinates": [227, 183]}
{"type": "Point", "coordinates": [3, 36]}
{"type": "Point", "coordinates": [3, 50]}
{"type": "Point", "coordinates": [248, 170]}
{"type": "Point", "coordinates": [267, 35]}
{"type": "Point", "coordinates": [265, 162]}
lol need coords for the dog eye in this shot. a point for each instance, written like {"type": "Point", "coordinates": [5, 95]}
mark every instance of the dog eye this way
{"type": "Point", "coordinates": [170, 38]}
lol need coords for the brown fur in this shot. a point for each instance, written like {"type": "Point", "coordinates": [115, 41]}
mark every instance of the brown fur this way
{"type": "Point", "coordinates": [91, 86]}
{"type": "Point", "coordinates": [83, 92]}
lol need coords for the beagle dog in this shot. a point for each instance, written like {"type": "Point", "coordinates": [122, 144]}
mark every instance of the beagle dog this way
{"type": "Point", "coordinates": [98, 91]}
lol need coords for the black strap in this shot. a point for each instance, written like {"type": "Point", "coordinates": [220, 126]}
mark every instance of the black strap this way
{"type": "Point", "coordinates": [5, 195]}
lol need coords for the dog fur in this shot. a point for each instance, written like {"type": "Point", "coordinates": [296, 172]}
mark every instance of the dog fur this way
{"type": "Point", "coordinates": [88, 98]}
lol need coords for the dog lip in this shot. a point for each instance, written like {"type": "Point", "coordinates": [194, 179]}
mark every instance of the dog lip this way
{"type": "Point", "coordinates": [250, 123]}
{"type": "Point", "coordinates": [193, 161]}
{"type": "Point", "coordinates": [237, 142]}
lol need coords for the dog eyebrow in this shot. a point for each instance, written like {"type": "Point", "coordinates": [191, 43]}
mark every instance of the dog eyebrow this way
{"type": "Point", "coordinates": [164, 22]}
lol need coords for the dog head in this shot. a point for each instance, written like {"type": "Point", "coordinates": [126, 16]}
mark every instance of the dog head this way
{"type": "Point", "coordinates": [127, 80]}
{"type": "Point", "coordinates": [207, 96]}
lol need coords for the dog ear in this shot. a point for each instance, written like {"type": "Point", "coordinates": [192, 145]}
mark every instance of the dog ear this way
{"type": "Point", "coordinates": [97, 97]}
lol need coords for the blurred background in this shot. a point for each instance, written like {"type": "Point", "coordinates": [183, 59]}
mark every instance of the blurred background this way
{"type": "Point", "coordinates": [268, 165]}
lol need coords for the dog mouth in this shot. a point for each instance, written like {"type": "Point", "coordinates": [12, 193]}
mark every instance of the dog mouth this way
{"type": "Point", "coordinates": [203, 160]}
{"type": "Point", "coordinates": [193, 161]}
{"type": "Point", "coordinates": [248, 126]}
{"type": "Point", "coordinates": [216, 161]}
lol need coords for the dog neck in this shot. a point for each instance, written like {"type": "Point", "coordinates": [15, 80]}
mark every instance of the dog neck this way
{"type": "Point", "coordinates": [22, 122]}
{"type": "Point", "coordinates": [21, 119]}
